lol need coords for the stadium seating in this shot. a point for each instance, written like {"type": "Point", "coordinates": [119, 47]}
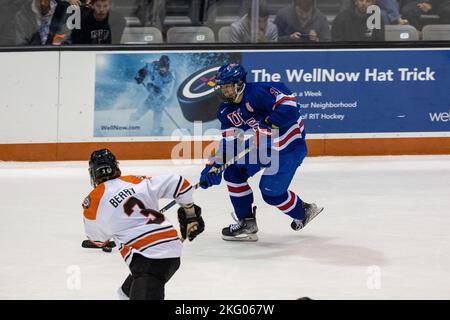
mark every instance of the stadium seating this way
{"type": "Point", "coordinates": [401, 33]}
{"type": "Point", "coordinates": [436, 32]}
{"type": "Point", "coordinates": [200, 34]}
{"type": "Point", "coordinates": [224, 34]}
{"type": "Point", "coordinates": [141, 35]}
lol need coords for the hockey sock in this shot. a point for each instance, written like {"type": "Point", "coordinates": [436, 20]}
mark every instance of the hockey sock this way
{"type": "Point", "coordinates": [241, 196]}
{"type": "Point", "coordinates": [289, 203]}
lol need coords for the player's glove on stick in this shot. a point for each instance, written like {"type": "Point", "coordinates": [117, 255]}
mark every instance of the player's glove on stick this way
{"type": "Point", "coordinates": [210, 176]}
{"type": "Point", "coordinates": [191, 223]}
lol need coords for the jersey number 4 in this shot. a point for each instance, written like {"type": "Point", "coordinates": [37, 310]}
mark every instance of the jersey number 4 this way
{"type": "Point", "coordinates": [153, 215]}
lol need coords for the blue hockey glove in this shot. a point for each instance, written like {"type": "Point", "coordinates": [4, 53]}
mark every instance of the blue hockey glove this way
{"type": "Point", "coordinates": [209, 176]}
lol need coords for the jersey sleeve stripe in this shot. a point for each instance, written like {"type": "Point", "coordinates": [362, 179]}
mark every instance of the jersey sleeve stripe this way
{"type": "Point", "coordinates": [176, 189]}
{"type": "Point", "coordinates": [185, 187]}
{"type": "Point", "coordinates": [288, 100]}
{"type": "Point", "coordinates": [187, 190]}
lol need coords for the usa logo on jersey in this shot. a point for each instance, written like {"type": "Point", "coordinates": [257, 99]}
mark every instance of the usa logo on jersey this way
{"type": "Point", "coordinates": [274, 92]}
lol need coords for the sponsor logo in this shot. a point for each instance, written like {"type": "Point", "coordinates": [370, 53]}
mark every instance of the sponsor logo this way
{"type": "Point", "coordinates": [201, 84]}
{"type": "Point", "coordinates": [87, 202]}
{"type": "Point", "coordinates": [440, 116]}
{"type": "Point", "coordinates": [274, 91]}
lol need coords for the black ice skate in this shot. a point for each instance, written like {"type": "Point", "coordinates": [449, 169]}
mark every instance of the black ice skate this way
{"type": "Point", "coordinates": [311, 211]}
{"type": "Point", "coordinates": [243, 230]}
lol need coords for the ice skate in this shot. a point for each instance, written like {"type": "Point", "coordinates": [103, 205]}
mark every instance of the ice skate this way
{"type": "Point", "coordinates": [243, 230]}
{"type": "Point", "coordinates": [311, 211]}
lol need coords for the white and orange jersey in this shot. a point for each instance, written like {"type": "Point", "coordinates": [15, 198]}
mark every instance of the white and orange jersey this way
{"type": "Point", "coordinates": [114, 210]}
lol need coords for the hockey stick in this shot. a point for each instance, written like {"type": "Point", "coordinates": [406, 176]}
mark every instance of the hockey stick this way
{"type": "Point", "coordinates": [91, 245]}
{"type": "Point", "coordinates": [218, 170]}
{"type": "Point", "coordinates": [166, 113]}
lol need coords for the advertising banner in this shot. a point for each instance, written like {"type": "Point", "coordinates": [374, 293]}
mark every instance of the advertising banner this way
{"type": "Point", "coordinates": [362, 91]}
{"type": "Point", "coordinates": [156, 94]}
{"type": "Point", "coordinates": [339, 91]}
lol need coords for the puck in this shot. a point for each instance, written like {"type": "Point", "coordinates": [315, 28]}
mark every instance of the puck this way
{"type": "Point", "coordinates": [198, 96]}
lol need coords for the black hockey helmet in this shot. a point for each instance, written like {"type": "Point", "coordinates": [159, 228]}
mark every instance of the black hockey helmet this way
{"type": "Point", "coordinates": [164, 61]}
{"type": "Point", "coordinates": [103, 166]}
{"type": "Point", "coordinates": [163, 65]}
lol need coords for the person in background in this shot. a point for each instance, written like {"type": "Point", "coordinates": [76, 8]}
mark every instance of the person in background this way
{"type": "Point", "coordinates": [150, 12]}
{"type": "Point", "coordinates": [414, 9]}
{"type": "Point", "coordinates": [241, 29]}
{"type": "Point", "coordinates": [351, 24]}
{"type": "Point", "coordinates": [8, 9]}
{"type": "Point", "coordinates": [444, 12]}
{"type": "Point", "coordinates": [302, 21]}
{"type": "Point", "coordinates": [99, 24]}
{"type": "Point", "coordinates": [390, 11]}
{"type": "Point", "coordinates": [159, 81]}
{"type": "Point", "coordinates": [41, 22]}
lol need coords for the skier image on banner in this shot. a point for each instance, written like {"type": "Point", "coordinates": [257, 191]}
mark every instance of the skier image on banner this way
{"type": "Point", "coordinates": [160, 84]}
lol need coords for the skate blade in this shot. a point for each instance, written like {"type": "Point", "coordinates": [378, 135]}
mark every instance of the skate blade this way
{"type": "Point", "coordinates": [319, 210]}
{"type": "Point", "coordinates": [242, 237]}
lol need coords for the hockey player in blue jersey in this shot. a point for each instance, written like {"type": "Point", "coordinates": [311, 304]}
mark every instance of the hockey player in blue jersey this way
{"type": "Point", "coordinates": [269, 111]}
{"type": "Point", "coordinates": [160, 83]}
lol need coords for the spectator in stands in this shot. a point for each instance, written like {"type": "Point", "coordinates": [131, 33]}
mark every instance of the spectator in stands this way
{"type": "Point", "coordinates": [41, 22]}
{"type": "Point", "coordinates": [150, 12]}
{"type": "Point", "coordinates": [351, 24]}
{"type": "Point", "coordinates": [78, 2]}
{"type": "Point", "coordinates": [390, 11]}
{"type": "Point", "coordinates": [444, 12]}
{"type": "Point", "coordinates": [267, 31]}
{"type": "Point", "coordinates": [302, 21]}
{"type": "Point", "coordinates": [414, 9]}
{"type": "Point", "coordinates": [99, 24]}
{"type": "Point", "coordinates": [8, 9]}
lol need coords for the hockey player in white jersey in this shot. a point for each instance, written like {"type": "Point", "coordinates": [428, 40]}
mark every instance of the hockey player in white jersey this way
{"type": "Point", "coordinates": [125, 208]}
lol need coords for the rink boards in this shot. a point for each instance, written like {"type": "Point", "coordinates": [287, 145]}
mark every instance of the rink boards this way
{"type": "Point", "coordinates": [59, 105]}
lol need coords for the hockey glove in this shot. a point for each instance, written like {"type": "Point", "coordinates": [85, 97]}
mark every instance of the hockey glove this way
{"type": "Point", "coordinates": [139, 80]}
{"type": "Point", "coordinates": [140, 76]}
{"type": "Point", "coordinates": [190, 226]}
{"type": "Point", "coordinates": [210, 175]}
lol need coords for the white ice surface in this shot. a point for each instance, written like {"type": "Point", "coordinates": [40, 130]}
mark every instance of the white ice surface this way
{"type": "Point", "coordinates": [384, 234]}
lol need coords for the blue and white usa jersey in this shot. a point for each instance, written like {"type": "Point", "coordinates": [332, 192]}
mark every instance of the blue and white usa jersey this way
{"type": "Point", "coordinates": [265, 103]}
{"type": "Point", "coordinates": [166, 83]}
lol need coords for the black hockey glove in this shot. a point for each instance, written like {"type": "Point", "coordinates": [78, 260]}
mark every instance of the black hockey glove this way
{"type": "Point", "coordinates": [140, 76]}
{"type": "Point", "coordinates": [190, 227]}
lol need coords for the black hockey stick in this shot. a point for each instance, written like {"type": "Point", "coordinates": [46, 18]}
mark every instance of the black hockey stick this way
{"type": "Point", "coordinates": [165, 111]}
{"type": "Point", "coordinates": [91, 245]}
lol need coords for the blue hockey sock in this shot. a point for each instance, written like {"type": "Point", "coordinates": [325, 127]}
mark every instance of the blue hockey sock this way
{"type": "Point", "coordinates": [241, 196]}
{"type": "Point", "coordinates": [289, 203]}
